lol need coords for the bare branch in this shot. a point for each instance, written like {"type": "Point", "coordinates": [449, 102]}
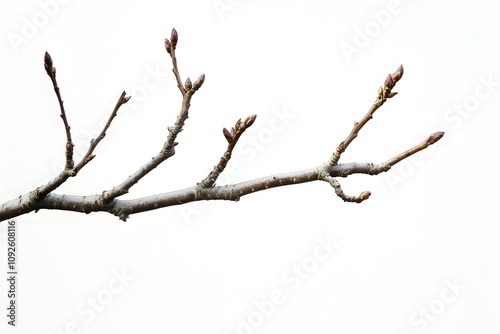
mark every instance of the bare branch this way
{"type": "Point", "coordinates": [108, 201]}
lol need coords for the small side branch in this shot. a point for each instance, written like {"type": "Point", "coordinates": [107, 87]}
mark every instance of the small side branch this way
{"type": "Point", "coordinates": [232, 139]}
{"type": "Point", "coordinates": [340, 193]}
{"type": "Point", "coordinates": [432, 139]}
{"type": "Point", "coordinates": [384, 93]}
{"type": "Point", "coordinates": [95, 141]}
{"type": "Point", "coordinates": [51, 72]}
{"type": "Point", "coordinates": [170, 45]}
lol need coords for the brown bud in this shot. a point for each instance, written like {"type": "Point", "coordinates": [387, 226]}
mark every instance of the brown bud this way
{"type": "Point", "coordinates": [388, 82]}
{"type": "Point", "coordinates": [168, 46]}
{"type": "Point", "coordinates": [125, 99]}
{"type": "Point", "coordinates": [391, 94]}
{"type": "Point", "coordinates": [47, 62]}
{"type": "Point", "coordinates": [249, 120]}
{"type": "Point", "coordinates": [398, 74]}
{"type": "Point", "coordinates": [228, 136]}
{"type": "Point", "coordinates": [174, 37]}
{"type": "Point", "coordinates": [197, 84]}
{"type": "Point", "coordinates": [188, 84]}
{"type": "Point", "coordinates": [364, 195]}
{"type": "Point", "coordinates": [434, 137]}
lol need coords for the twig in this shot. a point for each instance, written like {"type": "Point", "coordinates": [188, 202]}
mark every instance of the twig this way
{"type": "Point", "coordinates": [384, 93]}
{"type": "Point", "coordinates": [51, 72]}
{"type": "Point", "coordinates": [95, 141]}
{"type": "Point", "coordinates": [340, 193]}
{"type": "Point", "coordinates": [232, 139]}
{"type": "Point", "coordinates": [170, 45]}
{"type": "Point", "coordinates": [426, 143]}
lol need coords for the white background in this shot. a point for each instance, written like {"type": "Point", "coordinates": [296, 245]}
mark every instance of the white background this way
{"type": "Point", "coordinates": [430, 223]}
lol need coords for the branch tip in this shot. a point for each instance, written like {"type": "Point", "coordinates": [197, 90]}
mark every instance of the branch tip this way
{"type": "Point", "coordinates": [250, 120]}
{"type": "Point", "coordinates": [174, 37]}
{"type": "Point", "coordinates": [48, 64]}
{"type": "Point", "coordinates": [364, 195]}
{"type": "Point", "coordinates": [197, 84]}
{"type": "Point", "coordinates": [398, 74]}
{"type": "Point", "coordinates": [435, 137]}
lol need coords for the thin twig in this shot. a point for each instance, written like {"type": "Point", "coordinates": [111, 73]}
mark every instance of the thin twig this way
{"type": "Point", "coordinates": [232, 139]}
{"type": "Point", "coordinates": [426, 143]}
{"type": "Point", "coordinates": [95, 141]}
{"type": "Point", "coordinates": [51, 72]}
{"type": "Point", "coordinates": [340, 193]}
{"type": "Point", "coordinates": [170, 45]}
{"type": "Point", "coordinates": [384, 93]}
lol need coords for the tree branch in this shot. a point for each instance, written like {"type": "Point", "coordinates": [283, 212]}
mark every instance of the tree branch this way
{"type": "Point", "coordinates": [108, 201]}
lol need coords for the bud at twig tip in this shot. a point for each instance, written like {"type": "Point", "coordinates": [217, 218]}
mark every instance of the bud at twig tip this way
{"type": "Point", "coordinates": [435, 137]}
{"type": "Point", "coordinates": [364, 195]}
{"type": "Point", "coordinates": [197, 84]}
{"type": "Point", "coordinates": [47, 62]}
{"type": "Point", "coordinates": [398, 74]}
{"type": "Point", "coordinates": [174, 37]}
{"type": "Point", "coordinates": [249, 120]}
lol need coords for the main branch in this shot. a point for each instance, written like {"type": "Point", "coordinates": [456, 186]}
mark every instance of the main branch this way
{"type": "Point", "coordinates": [109, 201]}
